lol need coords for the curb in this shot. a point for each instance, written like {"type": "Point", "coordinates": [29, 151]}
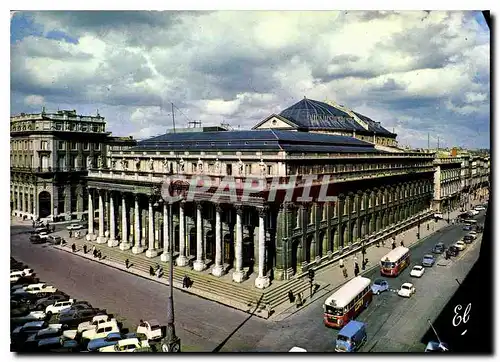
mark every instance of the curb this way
{"type": "Point", "coordinates": [176, 285]}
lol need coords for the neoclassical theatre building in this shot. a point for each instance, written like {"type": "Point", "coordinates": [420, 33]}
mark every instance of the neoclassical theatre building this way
{"type": "Point", "coordinates": [377, 185]}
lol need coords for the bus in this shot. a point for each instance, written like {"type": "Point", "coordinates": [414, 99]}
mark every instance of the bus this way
{"type": "Point", "coordinates": [393, 263]}
{"type": "Point", "coordinates": [347, 302]}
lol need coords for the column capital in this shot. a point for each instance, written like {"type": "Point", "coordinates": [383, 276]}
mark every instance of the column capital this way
{"type": "Point", "coordinates": [137, 197]}
{"type": "Point", "coordinates": [263, 211]}
{"type": "Point", "coordinates": [288, 206]}
{"type": "Point", "coordinates": [218, 208]}
{"type": "Point", "coordinates": [239, 209]}
{"type": "Point", "coordinates": [341, 197]}
{"type": "Point", "coordinates": [199, 206]}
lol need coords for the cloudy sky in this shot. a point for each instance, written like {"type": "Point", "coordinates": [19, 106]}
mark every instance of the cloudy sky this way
{"type": "Point", "coordinates": [415, 72]}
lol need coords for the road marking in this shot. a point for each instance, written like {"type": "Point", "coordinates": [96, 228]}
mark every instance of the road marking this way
{"type": "Point", "coordinates": [464, 332]}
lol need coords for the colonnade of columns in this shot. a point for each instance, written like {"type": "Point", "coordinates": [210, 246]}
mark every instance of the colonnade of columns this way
{"type": "Point", "coordinates": [129, 229]}
{"type": "Point", "coordinates": [24, 201]}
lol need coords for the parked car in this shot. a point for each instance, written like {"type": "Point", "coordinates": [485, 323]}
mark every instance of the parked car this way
{"type": "Point", "coordinates": [32, 342]}
{"type": "Point", "coordinates": [58, 344]}
{"type": "Point", "coordinates": [453, 250]}
{"type": "Point", "coordinates": [15, 275]}
{"type": "Point", "coordinates": [57, 307]}
{"type": "Point", "coordinates": [417, 271]}
{"type": "Point", "coordinates": [54, 239]}
{"type": "Point", "coordinates": [51, 299]}
{"type": "Point", "coordinates": [379, 286]}
{"type": "Point", "coordinates": [44, 235]}
{"type": "Point", "coordinates": [125, 345]}
{"type": "Point", "coordinates": [467, 228]}
{"type": "Point", "coordinates": [473, 233]}
{"type": "Point", "coordinates": [468, 239]}
{"type": "Point", "coordinates": [98, 319]}
{"type": "Point", "coordinates": [438, 248]}
{"type": "Point", "coordinates": [479, 208]}
{"type": "Point", "coordinates": [110, 340]}
{"type": "Point", "coordinates": [22, 332]}
{"type": "Point", "coordinates": [101, 330]}
{"type": "Point", "coordinates": [74, 318]}
{"type": "Point", "coordinates": [36, 239]}
{"type": "Point", "coordinates": [74, 227]}
{"type": "Point", "coordinates": [428, 260]}
{"type": "Point", "coordinates": [460, 245]}
{"type": "Point", "coordinates": [406, 290]}
{"type": "Point", "coordinates": [438, 215]}
{"type": "Point", "coordinates": [80, 305]}
{"type": "Point", "coordinates": [39, 289]}
{"type": "Point", "coordinates": [151, 329]}
{"type": "Point", "coordinates": [36, 315]}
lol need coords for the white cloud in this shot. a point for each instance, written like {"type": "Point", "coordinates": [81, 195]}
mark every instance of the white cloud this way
{"type": "Point", "coordinates": [34, 100]}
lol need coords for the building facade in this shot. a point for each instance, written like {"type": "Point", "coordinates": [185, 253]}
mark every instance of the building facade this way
{"type": "Point", "coordinates": [213, 228]}
{"type": "Point", "coordinates": [50, 156]}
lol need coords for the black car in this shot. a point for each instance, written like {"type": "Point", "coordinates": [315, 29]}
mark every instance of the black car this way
{"type": "Point", "coordinates": [75, 318]}
{"type": "Point", "coordinates": [453, 250]}
{"type": "Point", "coordinates": [36, 239]}
{"type": "Point", "coordinates": [43, 303]}
{"type": "Point", "coordinates": [438, 248]}
{"type": "Point", "coordinates": [468, 239]}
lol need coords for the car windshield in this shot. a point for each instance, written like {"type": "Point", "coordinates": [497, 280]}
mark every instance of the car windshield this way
{"type": "Point", "coordinates": [428, 257]}
{"type": "Point", "coordinates": [342, 338]}
{"type": "Point", "coordinates": [378, 282]}
{"type": "Point", "coordinates": [387, 264]}
{"type": "Point", "coordinates": [405, 287]}
{"type": "Point", "coordinates": [417, 268]}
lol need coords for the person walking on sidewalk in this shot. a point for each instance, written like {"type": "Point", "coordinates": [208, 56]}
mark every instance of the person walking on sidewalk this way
{"type": "Point", "coordinates": [291, 296]}
{"type": "Point", "coordinates": [151, 271]}
{"type": "Point", "coordinates": [158, 273]}
{"type": "Point", "coordinates": [70, 234]}
{"type": "Point", "coordinates": [393, 244]}
{"type": "Point", "coordinates": [341, 263]}
{"type": "Point", "coordinates": [344, 271]}
{"type": "Point", "coordinates": [402, 244]}
{"type": "Point", "coordinates": [73, 247]}
{"type": "Point", "coordinates": [299, 301]}
{"type": "Point", "coordinates": [127, 263]}
{"type": "Point", "coordinates": [85, 249]}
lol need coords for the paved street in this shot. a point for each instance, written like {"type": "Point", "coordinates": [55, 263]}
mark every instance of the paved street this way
{"type": "Point", "coordinates": [394, 324]}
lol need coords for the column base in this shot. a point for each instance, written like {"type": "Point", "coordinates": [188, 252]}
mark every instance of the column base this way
{"type": "Point", "coordinates": [262, 282]}
{"type": "Point", "coordinates": [113, 243]}
{"type": "Point", "coordinates": [137, 249]}
{"type": "Point", "coordinates": [101, 240]}
{"type": "Point", "coordinates": [181, 260]}
{"type": "Point", "coordinates": [88, 237]}
{"type": "Point", "coordinates": [151, 253]}
{"type": "Point", "coordinates": [199, 265]}
{"type": "Point", "coordinates": [217, 271]}
{"type": "Point", "coordinates": [165, 257]}
{"type": "Point", "coordinates": [125, 246]}
{"type": "Point", "coordinates": [279, 274]}
{"type": "Point", "coordinates": [239, 276]}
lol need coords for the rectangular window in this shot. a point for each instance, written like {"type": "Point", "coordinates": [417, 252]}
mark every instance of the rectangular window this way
{"type": "Point", "coordinates": [95, 128]}
{"type": "Point", "coordinates": [193, 167]}
{"type": "Point", "coordinates": [269, 170]}
{"type": "Point", "coordinates": [86, 146]}
{"type": "Point", "coordinates": [97, 146]}
{"type": "Point", "coordinates": [74, 145]}
{"type": "Point", "coordinates": [229, 169]}
{"type": "Point", "coordinates": [85, 127]}
{"type": "Point", "coordinates": [61, 145]}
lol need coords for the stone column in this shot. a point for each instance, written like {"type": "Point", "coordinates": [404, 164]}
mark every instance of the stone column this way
{"type": "Point", "coordinates": [165, 256]}
{"type": "Point", "coordinates": [181, 259]}
{"type": "Point", "coordinates": [101, 239]}
{"type": "Point", "coordinates": [112, 223]}
{"type": "Point", "coordinates": [239, 274]}
{"type": "Point", "coordinates": [262, 281]}
{"type": "Point", "coordinates": [124, 245]}
{"type": "Point", "coordinates": [199, 264]}
{"type": "Point", "coordinates": [218, 270]}
{"type": "Point", "coordinates": [23, 207]}
{"type": "Point", "coordinates": [137, 248]}
{"type": "Point", "coordinates": [90, 215]}
{"type": "Point", "coordinates": [151, 252]}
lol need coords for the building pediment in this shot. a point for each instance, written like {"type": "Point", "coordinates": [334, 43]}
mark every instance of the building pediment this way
{"type": "Point", "coordinates": [276, 122]}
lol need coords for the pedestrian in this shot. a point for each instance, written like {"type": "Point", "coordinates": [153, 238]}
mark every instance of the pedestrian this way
{"type": "Point", "coordinates": [127, 263]}
{"type": "Point", "coordinates": [344, 271]}
{"type": "Point", "coordinates": [93, 249]}
{"type": "Point", "coordinates": [291, 296]}
{"type": "Point", "coordinates": [402, 244]}
{"type": "Point", "coordinates": [33, 223]}
{"type": "Point", "coordinates": [158, 273]}
{"type": "Point", "coordinates": [53, 228]}
{"type": "Point", "coordinates": [99, 255]}
{"type": "Point", "coordinates": [427, 227]}
{"type": "Point", "coordinates": [393, 245]}
{"type": "Point", "coordinates": [356, 270]}
{"type": "Point", "coordinates": [85, 249]}
{"type": "Point", "coordinates": [73, 247]}
{"type": "Point", "coordinates": [341, 263]}
{"type": "Point", "coordinates": [298, 301]}
{"type": "Point", "coordinates": [184, 281]}
{"type": "Point", "coordinates": [151, 271]}
{"type": "Point", "coordinates": [188, 282]}
{"type": "Point", "coordinates": [95, 253]}
{"type": "Point", "coordinates": [70, 234]}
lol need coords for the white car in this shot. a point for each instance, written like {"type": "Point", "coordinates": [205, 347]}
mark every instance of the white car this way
{"type": "Point", "coordinates": [36, 288]}
{"type": "Point", "coordinates": [74, 227]}
{"type": "Point", "coordinates": [406, 290]}
{"type": "Point", "coordinates": [297, 349]}
{"type": "Point", "coordinates": [43, 235]}
{"type": "Point", "coordinates": [57, 307]}
{"type": "Point", "coordinates": [152, 329]}
{"type": "Point", "coordinates": [125, 345]}
{"type": "Point", "coordinates": [101, 330]}
{"type": "Point", "coordinates": [473, 212]}
{"type": "Point", "coordinates": [16, 275]}
{"type": "Point", "coordinates": [417, 271]}
{"type": "Point", "coordinates": [473, 233]}
{"type": "Point", "coordinates": [35, 315]}
{"type": "Point", "coordinates": [98, 319]}
{"type": "Point", "coordinates": [438, 215]}
{"type": "Point", "coordinates": [479, 208]}
{"type": "Point", "coordinates": [460, 245]}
